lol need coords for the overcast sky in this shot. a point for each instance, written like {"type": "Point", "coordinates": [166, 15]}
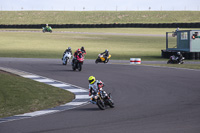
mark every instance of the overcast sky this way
{"type": "Point", "coordinates": [95, 5]}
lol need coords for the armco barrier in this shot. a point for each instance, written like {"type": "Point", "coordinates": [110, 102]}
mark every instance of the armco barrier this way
{"type": "Point", "coordinates": [114, 25]}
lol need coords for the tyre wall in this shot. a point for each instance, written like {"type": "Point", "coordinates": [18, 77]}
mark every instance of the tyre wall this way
{"type": "Point", "coordinates": [114, 25]}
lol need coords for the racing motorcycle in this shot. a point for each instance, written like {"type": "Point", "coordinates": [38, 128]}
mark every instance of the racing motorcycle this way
{"type": "Point", "coordinates": [102, 59]}
{"type": "Point", "coordinates": [174, 60]}
{"type": "Point", "coordinates": [49, 29]}
{"type": "Point", "coordinates": [66, 58]}
{"type": "Point", "coordinates": [102, 101]}
{"type": "Point", "coordinates": [78, 62]}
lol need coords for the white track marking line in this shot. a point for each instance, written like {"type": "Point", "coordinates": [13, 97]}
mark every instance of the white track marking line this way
{"type": "Point", "coordinates": [37, 113]}
{"type": "Point", "coordinates": [76, 90]}
{"type": "Point", "coordinates": [59, 85]}
{"type": "Point", "coordinates": [72, 88]}
{"type": "Point", "coordinates": [30, 76]}
{"type": "Point", "coordinates": [43, 80]}
{"type": "Point", "coordinates": [74, 103]}
{"type": "Point", "coordinates": [82, 97]}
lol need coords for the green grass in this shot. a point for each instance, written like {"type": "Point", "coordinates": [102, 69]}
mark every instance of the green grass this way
{"type": "Point", "coordinates": [46, 45]}
{"type": "Point", "coordinates": [152, 31]}
{"type": "Point", "coordinates": [97, 17]}
{"type": "Point", "coordinates": [189, 66]}
{"type": "Point", "coordinates": [19, 95]}
{"type": "Point", "coordinates": [52, 45]}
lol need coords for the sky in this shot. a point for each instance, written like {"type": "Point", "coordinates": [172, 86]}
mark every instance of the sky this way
{"type": "Point", "coordinates": [99, 5]}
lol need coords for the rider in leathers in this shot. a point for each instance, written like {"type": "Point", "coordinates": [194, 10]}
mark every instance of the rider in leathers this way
{"type": "Point", "coordinates": [83, 50]}
{"type": "Point", "coordinates": [179, 57]}
{"type": "Point", "coordinates": [94, 87]}
{"type": "Point", "coordinates": [105, 54]}
{"type": "Point", "coordinates": [67, 50]}
{"type": "Point", "coordinates": [76, 53]}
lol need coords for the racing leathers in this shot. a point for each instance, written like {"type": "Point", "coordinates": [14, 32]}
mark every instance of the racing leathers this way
{"type": "Point", "coordinates": [95, 88]}
{"type": "Point", "coordinates": [77, 53]}
{"type": "Point", "coordinates": [105, 54]}
{"type": "Point", "coordinates": [179, 57]}
{"type": "Point", "coordinates": [83, 50]}
{"type": "Point", "coordinates": [67, 50]}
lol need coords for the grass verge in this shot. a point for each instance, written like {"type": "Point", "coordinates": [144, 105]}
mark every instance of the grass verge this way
{"type": "Point", "coordinates": [19, 95]}
{"type": "Point", "coordinates": [189, 66]}
{"type": "Point", "coordinates": [145, 43]}
{"type": "Point", "coordinates": [46, 45]}
{"type": "Point", "coordinates": [97, 17]}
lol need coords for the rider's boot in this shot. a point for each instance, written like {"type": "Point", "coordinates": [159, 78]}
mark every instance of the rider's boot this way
{"type": "Point", "coordinates": [92, 101]}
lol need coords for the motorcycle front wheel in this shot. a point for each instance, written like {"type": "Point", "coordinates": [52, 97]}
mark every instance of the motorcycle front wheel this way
{"type": "Point", "coordinates": [66, 60]}
{"type": "Point", "coordinates": [169, 62]}
{"type": "Point", "coordinates": [101, 104]}
{"type": "Point", "coordinates": [79, 67]}
{"type": "Point", "coordinates": [74, 67]}
{"type": "Point", "coordinates": [96, 61]}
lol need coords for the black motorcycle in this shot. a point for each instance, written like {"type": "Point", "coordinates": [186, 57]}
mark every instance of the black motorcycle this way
{"type": "Point", "coordinates": [103, 101]}
{"type": "Point", "coordinates": [174, 60]}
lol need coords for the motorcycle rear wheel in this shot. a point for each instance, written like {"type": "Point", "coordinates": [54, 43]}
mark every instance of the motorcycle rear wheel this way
{"type": "Point", "coordinates": [96, 61]}
{"type": "Point", "coordinates": [106, 61]}
{"type": "Point", "coordinates": [66, 60]}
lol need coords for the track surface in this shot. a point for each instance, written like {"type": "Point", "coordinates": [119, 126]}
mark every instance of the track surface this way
{"type": "Point", "coordinates": [148, 99]}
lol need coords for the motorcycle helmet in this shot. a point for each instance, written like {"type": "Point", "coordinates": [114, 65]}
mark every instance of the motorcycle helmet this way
{"type": "Point", "coordinates": [69, 48]}
{"type": "Point", "coordinates": [78, 50]}
{"type": "Point", "coordinates": [178, 53]}
{"type": "Point", "coordinates": [91, 79]}
{"type": "Point", "coordinates": [82, 48]}
{"type": "Point", "coordinates": [106, 50]}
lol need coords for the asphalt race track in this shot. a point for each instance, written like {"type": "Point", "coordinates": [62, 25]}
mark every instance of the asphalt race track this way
{"type": "Point", "coordinates": [147, 99]}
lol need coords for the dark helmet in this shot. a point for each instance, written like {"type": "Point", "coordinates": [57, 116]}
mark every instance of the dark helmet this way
{"type": "Point", "coordinates": [106, 50]}
{"type": "Point", "coordinates": [69, 48]}
{"type": "Point", "coordinates": [82, 48]}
